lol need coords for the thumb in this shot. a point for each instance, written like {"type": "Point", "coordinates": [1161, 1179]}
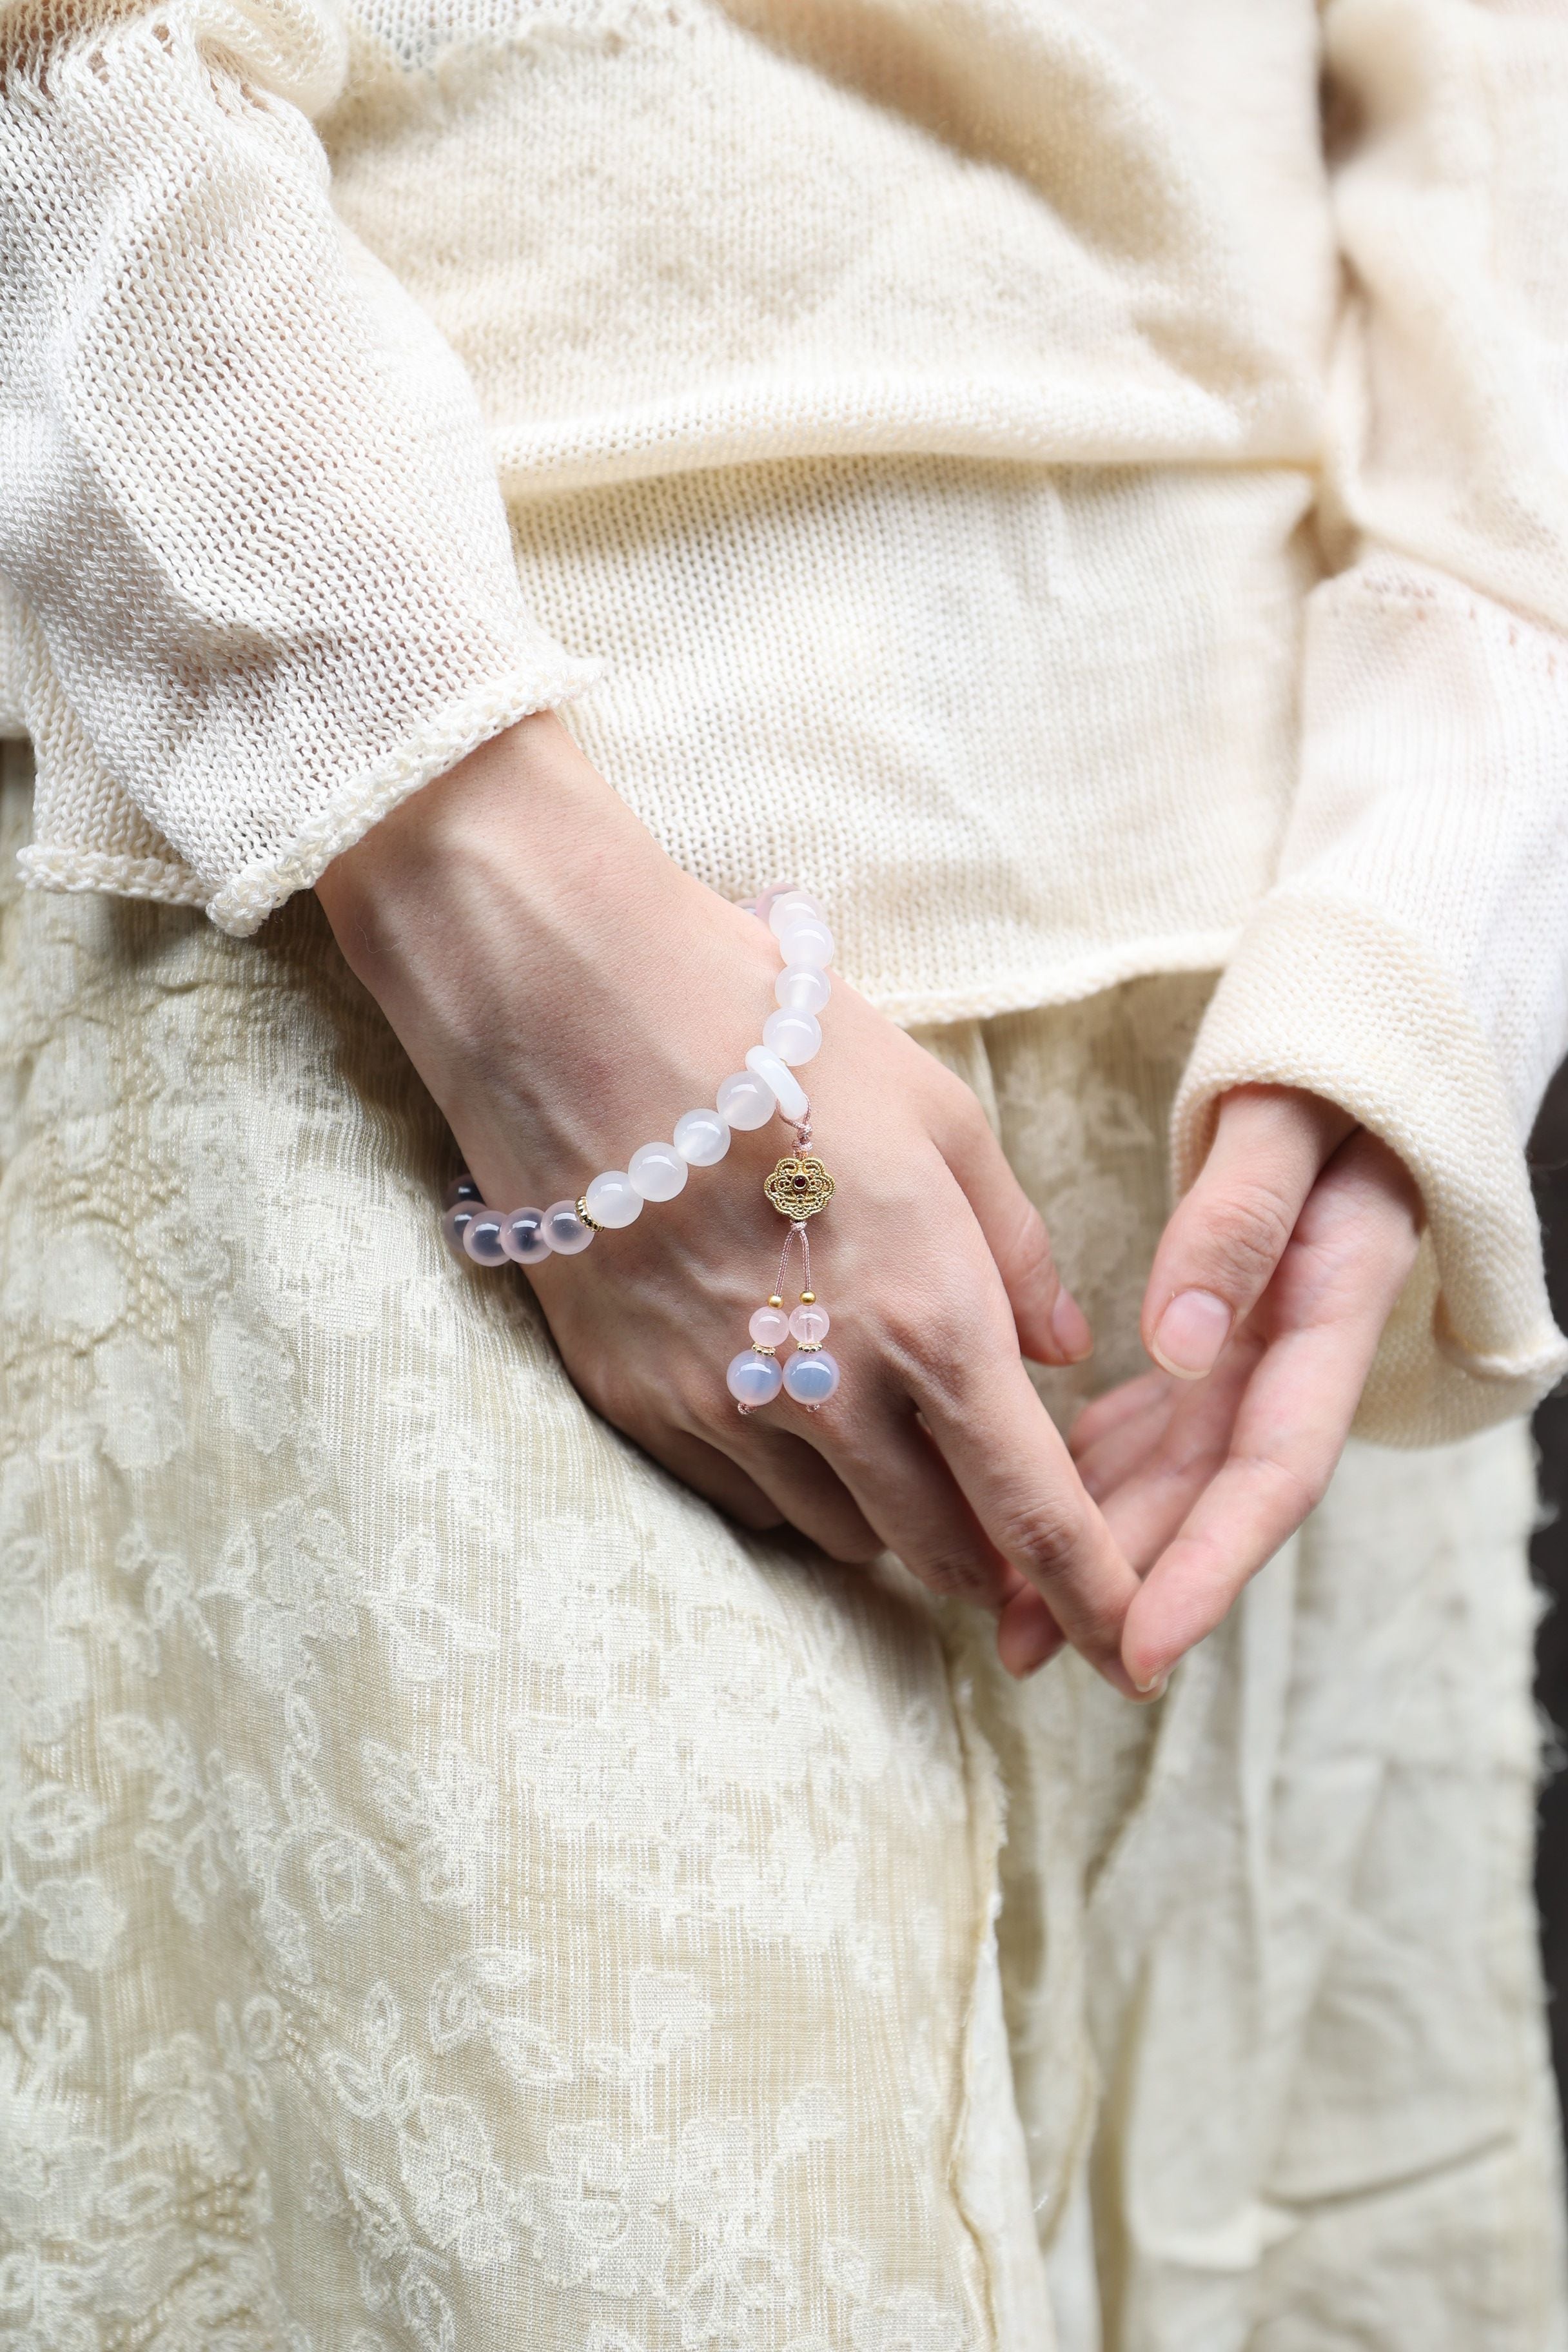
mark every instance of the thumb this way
{"type": "Point", "coordinates": [1218, 1253]}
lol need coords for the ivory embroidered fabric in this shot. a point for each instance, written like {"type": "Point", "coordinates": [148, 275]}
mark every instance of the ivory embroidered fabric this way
{"type": "Point", "coordinates": [458, 1893]}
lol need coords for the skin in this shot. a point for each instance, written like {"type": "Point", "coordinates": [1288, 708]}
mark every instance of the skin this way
{"type": "Point", "coordinates": [563, 990]}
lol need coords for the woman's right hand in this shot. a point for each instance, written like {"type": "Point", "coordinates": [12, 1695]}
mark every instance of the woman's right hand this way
{"type": "Point", "coordinates": [565, 992]}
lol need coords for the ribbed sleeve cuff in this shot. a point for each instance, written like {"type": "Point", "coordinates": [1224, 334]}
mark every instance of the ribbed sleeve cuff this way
{"type": "Point", "coordinates": [1329, 995]}
{"type": "Point", "coordinates": [243, 901]}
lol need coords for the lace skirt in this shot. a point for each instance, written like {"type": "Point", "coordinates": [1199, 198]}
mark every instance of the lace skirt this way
{"type": "Point", "coordinates": [460, 1893]}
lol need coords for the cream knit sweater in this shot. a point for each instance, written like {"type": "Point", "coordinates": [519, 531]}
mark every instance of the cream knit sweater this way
{"type": "Point", "coordinates": [979, 454]}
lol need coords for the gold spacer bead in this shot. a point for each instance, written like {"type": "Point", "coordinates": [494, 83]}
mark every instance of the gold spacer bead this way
{"type": "Point", "coordinates": [808, 1297]}
{"type": "Point", "coordinates": [587, 1220]}
{"type": "Point", "coordinates": [775, 1300]}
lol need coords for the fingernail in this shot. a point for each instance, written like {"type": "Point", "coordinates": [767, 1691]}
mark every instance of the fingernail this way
{"type": "Point", "coordinates": [1190, 1334]}
{"type": "Point", "coordinates": [1153, 1688]}
{"type": "Point", "coordinates": [1070, 1325]}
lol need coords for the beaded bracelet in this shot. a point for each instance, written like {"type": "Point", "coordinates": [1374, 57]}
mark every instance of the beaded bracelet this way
{"type": "Point", "coordinates": [799, 1187]}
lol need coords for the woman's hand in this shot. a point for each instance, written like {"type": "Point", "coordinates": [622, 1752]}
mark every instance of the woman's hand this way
{"type": "Point", "coordinates": [566, 991]}
{"type": "Point", "coordinates": [1269, 1294]}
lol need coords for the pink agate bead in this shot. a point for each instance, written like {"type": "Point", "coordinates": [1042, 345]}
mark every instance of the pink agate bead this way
{"type": "Point", "coordinates": [808, 1326]}
{"type": "Point", "coordinates": [769, 1327]}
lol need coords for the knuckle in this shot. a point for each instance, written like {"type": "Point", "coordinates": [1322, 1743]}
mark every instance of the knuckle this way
{"type": "Point", "coordinates": [1043, 1534]}
{"type": "Point", "coordinates": [956, 1575]}
{"type": "Point", "coordinates": [1248, 1229]}
{"type": "Point", "coordinates": [926, 1337]}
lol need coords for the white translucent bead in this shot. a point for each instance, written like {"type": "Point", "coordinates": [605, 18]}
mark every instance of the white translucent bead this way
{"type": "Point", "coordinates": [612, 1199]}
{"type": "Point", "coordinates": [702, 1138]}
{"type": "Point", "coordinates": [744, 1100]}
{"type": "Point", "coordinates": [801, 988]}
{"type": "Point", "coordinates": [769, 1327]}
{"type": "Point", "coordinates": [657, 1171]}
{"type": "Point", "coordinates": [461, 1188]}
{"type": "Point", "coordinates": [753, 1379]}
{"type": "Point", "coordinates": [808, 1326]}
{"type": "Point", "coordinates": [794, 1037]}
{"type": "Point", "coordinates": [811, 1379]}
{"type": "Point", "coordinates": [806, 940]}
{"type": "Point", "coordinates": [482, 1238]}
{"type": "Point", "coordinates": [788, 1091]}
{"type": "Point", "coordinates": [565, 1229]}
{"type": "Point", "coordinates": [523, 1237]}
{"type": "Point", "coordinates": [792, 907]}
{"type": "Point", "coordinates": [763, 903]}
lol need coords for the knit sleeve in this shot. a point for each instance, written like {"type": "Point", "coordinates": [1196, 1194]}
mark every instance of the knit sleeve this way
{"type": "Point", "coordinates": [1410, 962]}
{"type": "Point", "coordinates": [257, 565]}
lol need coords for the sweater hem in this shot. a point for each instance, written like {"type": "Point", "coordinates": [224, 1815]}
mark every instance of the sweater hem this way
{"type": "Point", "coordinates": [1070, 983]}
{"type": "Point", "coordinates": [748, 422]}
{"type": "Point", "coordinates": [55, 866]}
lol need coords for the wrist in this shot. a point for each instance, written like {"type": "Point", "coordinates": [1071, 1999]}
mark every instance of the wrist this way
{"type": "Point", "coordinates": [437, 846]}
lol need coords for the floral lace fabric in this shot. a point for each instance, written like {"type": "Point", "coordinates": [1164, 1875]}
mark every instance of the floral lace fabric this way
{"type": "Point", "coordinates": [457, 1893]}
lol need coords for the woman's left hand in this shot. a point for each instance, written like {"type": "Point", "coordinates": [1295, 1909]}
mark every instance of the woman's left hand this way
{"type": "Point", "coordinates": [1269, 1292]}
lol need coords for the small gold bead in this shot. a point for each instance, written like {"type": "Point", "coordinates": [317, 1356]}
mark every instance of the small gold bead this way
{"type": "Point", "coordinates": [808, 1297]}
{"type": "Point", "coordinates": [775, 1300]}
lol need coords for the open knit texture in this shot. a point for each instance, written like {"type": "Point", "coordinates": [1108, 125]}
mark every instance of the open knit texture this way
{"type": "Point", "coordinates": [933, 419]}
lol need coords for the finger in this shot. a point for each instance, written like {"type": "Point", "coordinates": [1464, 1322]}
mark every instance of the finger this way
{"type": "Point", "coordinates": [811, 1495]}
{"type": "Point", "coordinates": [899, 1478]}
{"type": "Point", "coordinates": [1345, 1267]}
{"type": "Point", "coordinates": [1052, 1326]}
{"type": "Point", "coordinates": [1028, 1635]}
{"type": "Point", "coordinates": [709, 1473]}
{"type": "Point", "coordinates": [1218, 1253]}
{"type": "Point", "coordinates": [1145, 1499]}
{"type": "Point", "coordinates": [1104, 1414]}
{"type": "Point", "coordinates": [1004, 1452]}
{"type": "Point", "coordinates": [1102, 1466]}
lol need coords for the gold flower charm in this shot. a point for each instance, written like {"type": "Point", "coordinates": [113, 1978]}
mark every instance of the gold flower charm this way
{"type": "Point", "coordinates": [799, 1186]}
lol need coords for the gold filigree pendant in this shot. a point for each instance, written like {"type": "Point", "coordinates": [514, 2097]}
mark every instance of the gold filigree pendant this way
{"type": "Point", "coordinates": [799, 1187]}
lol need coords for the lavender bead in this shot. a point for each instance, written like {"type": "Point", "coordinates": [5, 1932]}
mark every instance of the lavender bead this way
{"type": "Point", "coordinates": [794, 1037]}
{"type": "Point", "coordinates": [753, 1379]}
{"type": "Point", "coordinates": [808, 1326]}
{"type": "Point", "coordinates": [482, 1240]}
{"type": "Point", "coordinates": [657, 1171]}
{"type": "Point", "coordinates": [801, 988]}
{"type": "Point", "coordinates": [769, 1327]}
{"type": "Point", "coordinates": [565, 1229]}
{"type": "Point", "coordinates": [461, 1188]}
{"type": "Point", "coordinates": [744, 1100]}
{"type": "Point", "coordinates": [702, 1138]}
{"type": "Point", "coordinates": [811, 1379]}
{"type": "Point", "coordinates": [455, 1224]}
{"type": "Point", "coordinates": [523, 1237]}
{"type": "Point", "coordinates": [806, 940]}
